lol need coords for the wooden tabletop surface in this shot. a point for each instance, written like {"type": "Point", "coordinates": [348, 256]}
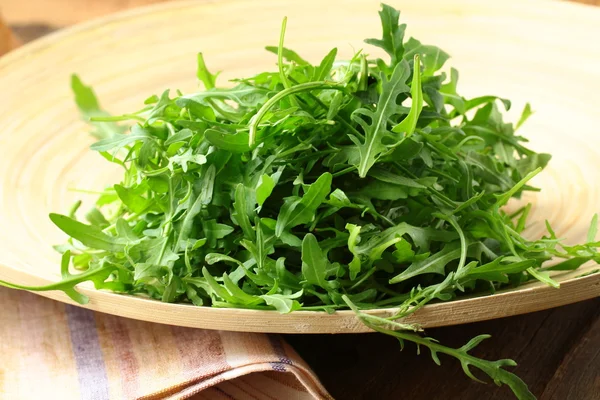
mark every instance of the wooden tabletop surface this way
{"type": "Point", "coordinates": [558, 350]}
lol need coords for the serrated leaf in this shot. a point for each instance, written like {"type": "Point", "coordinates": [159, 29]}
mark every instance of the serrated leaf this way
{"type": "Point", "coordinates": [374, 124]}
{"type": "Point", "coordinates": [393, 33]}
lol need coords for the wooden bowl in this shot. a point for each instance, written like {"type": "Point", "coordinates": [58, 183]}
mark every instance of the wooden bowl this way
{"type": "Point", "coordinates": [538, 51]}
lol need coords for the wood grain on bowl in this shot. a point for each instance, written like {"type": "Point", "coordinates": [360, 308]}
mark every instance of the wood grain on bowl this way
{"type": "Point", "coordinates": [142, 52]}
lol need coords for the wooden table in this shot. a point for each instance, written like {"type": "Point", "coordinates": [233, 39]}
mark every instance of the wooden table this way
{"type": "Point", "coordinates": [558, 350]}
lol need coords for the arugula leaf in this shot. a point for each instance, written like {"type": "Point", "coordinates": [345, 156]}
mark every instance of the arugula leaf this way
{"type": "Point", "coordinates": [264, 188]}
{"type": "Point", "coordinates": [118, 140]}
{"type": "Point", "coordinates": [135, 202]}
{"type": "Point", "coordinates": [88, 105]}
{"type": "Point", "coordinates": [323, 71]}
{"type": "Point", "coordinates": [374, 124]}
{"type": "Point", "coordinates": [283, 303]}
{"type": "Point", "coordinates": [241, 212]}
{"type": "Point", "coordinates": [408, 124]}
{"type": "Point", "coordinates": [527, 112]}
{"type": "Point", "coordinates": [354, 184]}
{"type": "Point", "coordinates": [89, 235]}
{"type": "Point", "coordinates": [209, 80]}
{"type": "Point", "coordinates": [236, 143]}
{"type": "Point", "coordinates": [434, 264]}
{"type": "Point", "coordinates": [314, 262]}
{"type": "Point", "coordinates": [393, 33]}
{"type": "Point", "coordinates": [302, 210]}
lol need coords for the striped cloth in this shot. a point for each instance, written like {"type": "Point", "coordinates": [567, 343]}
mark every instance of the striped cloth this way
{"type": "Point", "coordinates": [50, 350]}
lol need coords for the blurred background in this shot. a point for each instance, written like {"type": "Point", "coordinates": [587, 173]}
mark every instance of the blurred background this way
{"type": "Point", "coordinates": [29, 19]}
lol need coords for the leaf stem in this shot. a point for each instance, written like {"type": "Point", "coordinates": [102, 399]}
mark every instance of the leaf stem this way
{"type": "Point", "coordinates": [303, 87]}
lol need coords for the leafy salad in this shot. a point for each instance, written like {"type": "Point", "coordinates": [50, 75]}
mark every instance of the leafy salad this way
{"type": "Point", "coordinates": [355, 184]}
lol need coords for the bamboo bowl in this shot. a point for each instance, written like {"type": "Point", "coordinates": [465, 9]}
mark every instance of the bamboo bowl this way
{"type": "Point", "coordinates": [544, 52]}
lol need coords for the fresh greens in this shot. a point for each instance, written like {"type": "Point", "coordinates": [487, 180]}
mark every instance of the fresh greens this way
{"type": "Point", "coordinates": [348, 184]}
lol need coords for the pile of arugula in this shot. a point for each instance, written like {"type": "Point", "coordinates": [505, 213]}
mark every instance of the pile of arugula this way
{"type": "Point", "coordinates": [349, 184]}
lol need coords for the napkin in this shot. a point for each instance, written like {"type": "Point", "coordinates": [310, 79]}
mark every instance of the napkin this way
{"type": "Point", "coordinates": [51, 350]}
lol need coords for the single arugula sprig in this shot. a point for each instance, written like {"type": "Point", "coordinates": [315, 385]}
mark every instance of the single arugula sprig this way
{"type": "Point", "coordinates": [494, 369]}
{"type": "Point", "coordinates": [350, 183]}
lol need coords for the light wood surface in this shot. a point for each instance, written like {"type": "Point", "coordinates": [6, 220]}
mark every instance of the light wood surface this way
{"type": "Point", "coordinates": [65, 12]}
{"type": "Point", "coordinates": [510, 49]}
{"type": "Point", "coordinates": [68, 12]}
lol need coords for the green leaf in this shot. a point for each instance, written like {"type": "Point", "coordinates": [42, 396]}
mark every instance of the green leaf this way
{"type": "Point", "coordinates": [389, 177]}
{"type": "Point", "coordinates": [300, 211]}
{"type": "Point", "coordinates": [89, 235]}
{"type": "Point", "coordinates": [431, 265]}
{"type": "Point", "coordinates": [243, 95]}
{"type": "Point", "coordinates": [236, 143]}
{"type": "Point", "coordinates": [264, 188]}
{"type": "Point", "coordinates": [408, 124]}
{"type": "Point", "coordinates": [288, 54]}
{"type": "Point", "coordinates": [527, 112]}
{"type": "Point", "coordinates": [502, 199]}
{"type": "Point", "coordinates": [214, 231]}
{"type": "Point", "coordinates": [384, 191]}
{"type": "Point", "coordinates": [208, 185]}
{"type": "Point", "coordinates": [95, 217]}
{"type": "Point", "coordinates": [569, 265]}
{"type": "Point", "coordinates": [64, 270]}
{"type": "Point", "coordinates": [593, 231]}
{"type": "Point", "coordinates": [85, 98]}
{"type": "Point", "coordinates": [283, 303]}
{"type": "Point", "coordinates": [213, 258]}
{"type": "Point", "coordinates": [88, 105]}
{"type": "Point", "coordinates": [117, 141]}
{"type": "Point", "coordinates": [393, 33]}
{"type": "Point", "coordinates": [374, 124]}
{"type": "Point", "coordinates": [353, 239]}
{"type": "Point", "coordinates": [209, 80]}
{"type": "Point", "coordinates": [498, 271]}
{"type": "Point", "coordinates": [543, 277]}
{"type": "Point", "coordinates": [135, 202]}
{"type": "Point", "coordinates": [159, 184]}
{"type": "Point", "coordinates": [187, 224]}
{"type": "Point", "coordinates": [124, 231]}
{"type": "Point", "coordinates": [238, 293]}
{"type": "Point", "coordinates": [433, 57]}
{"type": "Point", "coordinates": [97, 275]}
{"type": "Point", "coordinates": [241, 212]}
{"type": "Point", "coordinates": [186, 157]}
{"type": "Point", "coordinates": [181, 136]}
{"type": "Point", "coordinates": [314, 262]}
{"type": "Point", "coordinates": [218, 289]}
{"type": "Point", "coordinates": [404, 252]}
{"type": "Point", "coordinates": [494, 369]}
{"type": "Point", "coordinates": [323, 71]}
